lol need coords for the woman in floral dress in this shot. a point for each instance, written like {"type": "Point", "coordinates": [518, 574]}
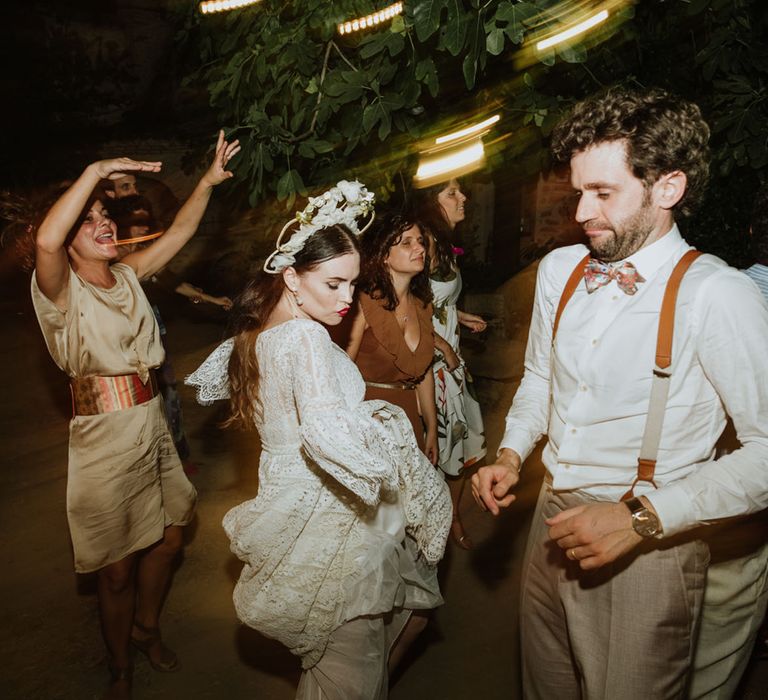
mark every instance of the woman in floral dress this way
{"type": "Point", "coordinates": [460, 433]}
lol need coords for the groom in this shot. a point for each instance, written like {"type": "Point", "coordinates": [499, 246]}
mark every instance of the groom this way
{"type": "Point", "coordinates": [614, 574]}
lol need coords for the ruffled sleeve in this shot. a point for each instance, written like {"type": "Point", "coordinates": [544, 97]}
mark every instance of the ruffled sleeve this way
{"type": "Point", "coordinates": [337, 437]}
{"type": "Point", "coordinates": [369, 447]}
{"type": "Point", "coordinates": [423, 491]}
{"type": "Point", "coordinates": [211, 378]}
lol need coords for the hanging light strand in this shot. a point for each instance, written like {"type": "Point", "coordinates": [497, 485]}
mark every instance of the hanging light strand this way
{"type": "Point", "coordinates": [211, 6]}
{"type": "Point", "coordinates": [573, 31]}
{"type": "Point", "coordinates": [371, 20]}
{"type": "Point", "coordinates": [454, 161]}
{"type": "Point", "coordinates": [482, 126]}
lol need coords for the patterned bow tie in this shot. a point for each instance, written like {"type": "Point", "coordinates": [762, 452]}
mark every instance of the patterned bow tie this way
{"type": "Point", "coordinates": [597, 274]}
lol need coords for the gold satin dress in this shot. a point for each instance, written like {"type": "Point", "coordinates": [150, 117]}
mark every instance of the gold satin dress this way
{"type": "Point", "coordinates": [125, 482]}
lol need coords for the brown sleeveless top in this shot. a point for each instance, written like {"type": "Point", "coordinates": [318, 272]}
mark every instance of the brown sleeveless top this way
{"type": "Point", "coordinates": [384, 355]}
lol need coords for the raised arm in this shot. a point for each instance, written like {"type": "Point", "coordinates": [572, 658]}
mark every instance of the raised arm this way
{"type": "Point", "coordinates": [149, 260]}
{"type": "Point", "coordinates": [51, 261]}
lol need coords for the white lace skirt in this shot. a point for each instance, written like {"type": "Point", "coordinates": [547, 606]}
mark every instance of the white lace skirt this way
{"type": "Point", "coordinates": [306, 577]}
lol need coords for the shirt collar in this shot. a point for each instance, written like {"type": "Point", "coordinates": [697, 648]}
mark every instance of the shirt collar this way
{"type": "Point", "coordinates": [651, 258]}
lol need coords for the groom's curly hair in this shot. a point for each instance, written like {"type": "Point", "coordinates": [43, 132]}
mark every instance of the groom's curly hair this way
{"type": "Point", "coordinates": [662, 133]}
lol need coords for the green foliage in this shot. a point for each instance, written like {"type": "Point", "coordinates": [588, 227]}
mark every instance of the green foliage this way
{"type": "Point", "coordinates": [311, 105]}
{"type": "Point", "coordinates": [304, 99]}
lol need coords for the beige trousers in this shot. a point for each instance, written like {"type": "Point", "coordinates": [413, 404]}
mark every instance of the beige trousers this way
{"type": "Point", "coordinates": [354, 665]}
{"type": "Point", "coordinates": [626, 631]}
{"type": "Point", "coordinates": [735, 601]}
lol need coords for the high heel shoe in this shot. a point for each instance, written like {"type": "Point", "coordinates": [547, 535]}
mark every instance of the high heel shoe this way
{"type": "Point", "coordinates": [461, 538]}
{"type": "Point", "coordinates": [169, 662]}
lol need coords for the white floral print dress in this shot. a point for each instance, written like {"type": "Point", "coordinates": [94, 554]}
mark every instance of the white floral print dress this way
{"type": "Point", "coordinates": [460, 434]}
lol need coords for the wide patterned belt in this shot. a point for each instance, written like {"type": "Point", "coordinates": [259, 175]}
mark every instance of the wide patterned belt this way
{"type": "Point", "coordinates": [94, 395]}
{"type": "Point", "coordinates": [396, 385]}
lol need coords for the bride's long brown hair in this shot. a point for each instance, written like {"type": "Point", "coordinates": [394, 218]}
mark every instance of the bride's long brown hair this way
{"type": "Point", "coordinates": [255, 305]}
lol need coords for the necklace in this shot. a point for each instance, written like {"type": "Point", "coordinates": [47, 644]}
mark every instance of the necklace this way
{"type": "Point", "coordinates": [404, 317]}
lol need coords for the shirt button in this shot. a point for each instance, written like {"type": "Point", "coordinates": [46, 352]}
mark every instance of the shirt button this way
{"type": "Point", "coordinates": [567, 466]}
{"type": "Point", "coordinates": [583, 387]}
{"type": "Point", "coordinates": [615, 297]}
{"type": "Point", "coordinates": [574, 431]}
{"type": "Point", "coordinates": [594, 342]}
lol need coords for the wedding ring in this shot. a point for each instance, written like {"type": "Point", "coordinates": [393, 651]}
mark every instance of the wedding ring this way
{"type": "Point", "coordinates": [572, 554]}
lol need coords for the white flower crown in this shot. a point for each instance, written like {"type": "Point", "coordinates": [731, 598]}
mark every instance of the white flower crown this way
{"type": "Point", "coordinates": [342, 204]}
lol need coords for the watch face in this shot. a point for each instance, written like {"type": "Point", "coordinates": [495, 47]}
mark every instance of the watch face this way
{"type": "Point", "coordinates": [645, 523]}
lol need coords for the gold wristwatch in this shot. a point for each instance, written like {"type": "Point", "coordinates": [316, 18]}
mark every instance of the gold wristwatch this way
{"type": "Point", "coordinates": [644, 520]}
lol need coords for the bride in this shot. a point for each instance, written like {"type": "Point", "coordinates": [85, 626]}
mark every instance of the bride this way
{"type": "Point", "coordinates": [342, 540]}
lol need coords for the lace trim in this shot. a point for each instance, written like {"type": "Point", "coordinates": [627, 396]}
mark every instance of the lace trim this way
{"type": "Point", "coordinates": [211, 378]}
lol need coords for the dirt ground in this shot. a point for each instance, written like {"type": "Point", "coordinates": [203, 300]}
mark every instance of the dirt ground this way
{"type": "Point", "coordinates": [49, 633]}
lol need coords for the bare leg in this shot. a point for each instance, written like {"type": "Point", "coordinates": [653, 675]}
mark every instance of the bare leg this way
{"type": "Point", "coordinates": [154, 574]}
{"type": "Point", "coordinates": [413, 628]}
{"type": "Point", "coordinates": [456, 487]}
{"type": "Point", "coordinates": [117, 596]}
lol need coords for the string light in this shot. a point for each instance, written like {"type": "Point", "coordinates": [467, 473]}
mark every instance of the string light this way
{"type": "Point", "coordinates": [210, 6]}
{"type": "Point", "coordinates": [376, 18]}
{"type": "Point", "coordinates": [573, 31]}
{"type": "Point", "coordinates": [468, 131]}
{"type": "Point", "coordinates": [458, 160]}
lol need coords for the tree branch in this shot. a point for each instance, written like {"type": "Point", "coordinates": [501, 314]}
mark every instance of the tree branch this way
{"type": "Point", "coordinates": [343, 57]}
{"type": "Point", "coordinates": [316, 110]}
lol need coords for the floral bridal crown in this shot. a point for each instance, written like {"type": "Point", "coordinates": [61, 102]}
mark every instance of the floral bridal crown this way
{"type": "Point", "coordinates": [342, 204]}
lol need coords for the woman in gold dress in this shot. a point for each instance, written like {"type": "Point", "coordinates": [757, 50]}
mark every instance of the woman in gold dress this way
{"type": "Point", "coordinates": [127, 495]}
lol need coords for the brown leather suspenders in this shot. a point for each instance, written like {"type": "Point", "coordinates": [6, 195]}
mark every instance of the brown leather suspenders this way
{"type": "Point", "coordinates": [646, 462]}
{"type": "Point", "coordinates": [570, 287]}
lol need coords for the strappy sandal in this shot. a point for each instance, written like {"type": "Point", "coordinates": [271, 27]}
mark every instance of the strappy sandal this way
{"type": "Point", "coordinates": [461, 538]}
{"type": "Point", "coordinates": [120, 684]}
{"type": "Point", "coordinates": [169, 662]}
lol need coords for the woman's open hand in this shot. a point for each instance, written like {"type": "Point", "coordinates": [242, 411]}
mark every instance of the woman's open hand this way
{"type": "Point", "coordinates": [115, 168]}
{"type": "Point", "coordinates": [217, 172]}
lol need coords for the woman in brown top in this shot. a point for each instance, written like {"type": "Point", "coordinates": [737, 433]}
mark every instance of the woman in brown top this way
{"type": "Point", "coordinates": [391, 338]}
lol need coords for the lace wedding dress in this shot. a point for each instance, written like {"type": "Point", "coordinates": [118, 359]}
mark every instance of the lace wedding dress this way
{"type": "Point", "coordinates": [350, 518]}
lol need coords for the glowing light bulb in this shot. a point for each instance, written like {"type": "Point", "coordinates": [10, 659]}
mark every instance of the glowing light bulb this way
{"type": "Point", "coordinates": [370, 20]}
{"type": "Point", "coordinates": [573, 31]}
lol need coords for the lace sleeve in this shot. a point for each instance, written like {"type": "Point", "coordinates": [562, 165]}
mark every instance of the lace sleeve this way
{"type": "Point", "coordinates": [334, 435]}
{"type": "Point", "coordinates": [423, 491]}
{"type": "Point", "coordinates": [210, 378]}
